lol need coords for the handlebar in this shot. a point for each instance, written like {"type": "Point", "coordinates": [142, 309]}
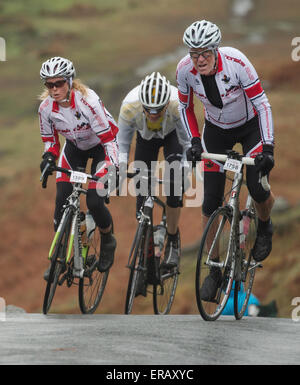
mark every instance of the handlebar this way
{"type": "Point", "coordinates": [245, 160]}
{"type": "Point", "coordinates": [45, 174]}
{"type": "Point", "coordinates": [222, 158]}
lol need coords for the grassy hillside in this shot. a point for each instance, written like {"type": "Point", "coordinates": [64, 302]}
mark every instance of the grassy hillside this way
{"type": "Point", "coordinates": [110, 42]}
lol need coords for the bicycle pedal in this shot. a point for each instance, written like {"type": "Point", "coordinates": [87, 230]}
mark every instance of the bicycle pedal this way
{"type": "Point", "coordinates": [212, 301]}
{"type": "Point", "coordinates": [88, 272]}
{"type": "Point", "coordinates": [255, 265]}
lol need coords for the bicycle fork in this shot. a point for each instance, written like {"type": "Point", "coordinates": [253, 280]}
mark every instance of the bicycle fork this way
{"type": "Point", "coordinates": [151, 265]}
{"type": "Point", "coordinates": [74, 240]}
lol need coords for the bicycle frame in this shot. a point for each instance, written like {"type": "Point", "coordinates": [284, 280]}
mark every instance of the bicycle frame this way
{"type": "Point", "coordinates": [145, 259]}
{"type": "Point", "coordinates": [232, 228]}
{"type": "Point", "coordinates": [73, 204]}
{"type": "Point", "coordinates": [233, 202]}
{"type": "Point", "coordinates": [233, 206]}
{"type": "Point", "coordinates": [80, 252]}
{"type": "Point", "coordinates": [69, 248]}
{"type": "Point", "coordinates": [146, 217]}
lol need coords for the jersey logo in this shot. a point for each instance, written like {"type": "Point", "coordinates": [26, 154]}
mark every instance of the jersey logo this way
{"type": "Point", "coordinates": [77, 115]}
{"type": "Point", "coordinates": [226, 79]}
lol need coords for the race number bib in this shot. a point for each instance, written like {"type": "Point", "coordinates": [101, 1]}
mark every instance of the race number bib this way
{"type": "Point", "coordinates": [233, 165]}
{"type": "Point", "coordinates": [78, 177]}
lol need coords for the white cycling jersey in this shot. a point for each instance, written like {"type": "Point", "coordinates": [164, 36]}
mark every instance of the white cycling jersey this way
{"type": "Point", "coordinates": [240, 90]}
{"type": "Point", "coordinates": [132, 118]}
{"type": "Point", "coordinates": [86, 123]}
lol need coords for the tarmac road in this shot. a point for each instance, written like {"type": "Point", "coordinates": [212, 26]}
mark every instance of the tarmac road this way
{"type": "Point", "coordinates": [147, 340]}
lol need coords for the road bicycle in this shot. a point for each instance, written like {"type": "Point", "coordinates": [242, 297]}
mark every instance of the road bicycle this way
{"type": "Point", "coordinates": [75, 249]}
{"type": "Point", "coordinates": [226, 245]}
{"type": "Point", "coordinates": [146, 259]}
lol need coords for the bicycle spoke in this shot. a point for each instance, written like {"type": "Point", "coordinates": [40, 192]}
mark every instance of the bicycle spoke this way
{"type": "Point", "coordinates": [92, 285]}
{"type": "Point", "coordinates": [214, 272]}
{"type": "Point", "coordinates": [164, 293]}
{"type": "Point", "coordinates": [136, 266]}
{"type": "Point", "coordinates": [242, 291]}
{"type": "Point", "coordinates": [58, 259]}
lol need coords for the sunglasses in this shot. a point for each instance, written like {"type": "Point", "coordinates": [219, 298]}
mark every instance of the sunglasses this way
{"type": "Point", "coordinates": [205, 54]}
{"type": "Point", "coordinates": [153, 110]}
{"type": "Point", "coordinates": [57, 84]}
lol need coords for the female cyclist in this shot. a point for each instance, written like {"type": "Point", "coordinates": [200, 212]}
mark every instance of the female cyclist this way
{"type": "Point", "coordinates": [73, 110]}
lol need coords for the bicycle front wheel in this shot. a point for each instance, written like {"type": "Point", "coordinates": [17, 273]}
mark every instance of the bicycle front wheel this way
{"type": "Point", "coordinates": [92, 285]}
{"type": "Point", "coordinates": [215, 265]}
{"type": "Point", "coordinates": [164, 291]}
{"type": "Point", "coordinates": [137, 270]}
{"type": "Point", "coordinates": [243, 288]}
{"type": "Point", "coordinates": [58, 258]}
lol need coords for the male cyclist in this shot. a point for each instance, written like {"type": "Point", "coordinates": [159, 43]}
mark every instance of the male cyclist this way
{"type": "Point", "coordinates": [74, 111]}
{"type": "Point", "coordinates": [151, 110]}
{"type": "Point", "coordinates": [236, 111]}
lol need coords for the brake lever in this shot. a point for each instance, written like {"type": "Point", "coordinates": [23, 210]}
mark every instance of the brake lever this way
{"type": "Point", "coordinates": [44, 171]}
{"type": "Point", "coordinates": [44, 176]}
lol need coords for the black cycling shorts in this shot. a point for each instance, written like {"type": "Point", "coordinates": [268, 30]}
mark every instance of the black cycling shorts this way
{"type": "Point", "coordinates": [217, 140]}
{"type": "Point", "coordinates": [72, 157]}
{"type": "Point", "coordinates": [147, 151]}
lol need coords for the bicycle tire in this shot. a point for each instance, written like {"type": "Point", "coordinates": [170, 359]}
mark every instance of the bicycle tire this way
{"type": "Point", "coordinates": [91, 286]}
{"type": "Point", "coordinates": [136, 267]}
{"type": "Point", "coordinates": [57, 260]}
{"type": "Point", "coordinates": [164, 291]}
{"type": "Point", "coordinates": [210, 309]}
{"type": "Point", "coordinates": [243, 288]}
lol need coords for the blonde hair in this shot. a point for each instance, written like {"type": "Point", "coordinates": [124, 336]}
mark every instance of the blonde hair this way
{"type": "Point", "coordinates": [76, 85]}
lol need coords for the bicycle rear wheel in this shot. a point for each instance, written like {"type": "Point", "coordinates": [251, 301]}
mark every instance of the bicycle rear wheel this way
{"type": "Point", "coordinates": [137, 269]}
{"type": "Point", "coordinates": [92, 285]}
{"type": "Point", "coordinates": [57, 262]}
{"type": "Point", "coordinates": [164, 291]}
{"type": "Point", "coordinates": [215, 254]}
{"type": "Point", "coordinates": [242, 289]}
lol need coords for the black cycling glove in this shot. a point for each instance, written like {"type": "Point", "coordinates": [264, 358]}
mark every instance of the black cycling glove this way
{"type": "Point", "coordinates": [194, 153]}
{"type": "Point", "coordinates": [48, 157]}
{"type": "Point", "coordinates": [264, 162]}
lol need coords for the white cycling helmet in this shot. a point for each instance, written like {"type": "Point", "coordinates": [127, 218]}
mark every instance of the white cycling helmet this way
{"type": "Point", "coordinates": [154, 91]}
{"type": "Point", "coordinates": [57, 67]}
{"type": "Point", "coordinates": [202, 34]}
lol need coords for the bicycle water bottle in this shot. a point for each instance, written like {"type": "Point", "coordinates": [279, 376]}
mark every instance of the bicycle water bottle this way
{"type": "Point", "coordinates": [90, 225]}
{"type": "Point", "coordinates": [244, 229]}
{"type": "Point", "coordinates": [159, 238]}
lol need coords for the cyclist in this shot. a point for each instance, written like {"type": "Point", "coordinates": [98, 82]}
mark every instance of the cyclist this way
{"type": "Point", "coordinates": [73, 110]}
{"type": "Point", "coordinates": [236, 111]}
{"type": "Point", "coordinates": [151, 110]}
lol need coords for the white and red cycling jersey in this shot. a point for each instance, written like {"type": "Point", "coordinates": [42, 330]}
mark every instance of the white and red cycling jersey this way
{"type": "Point", "coordinates": [86, 123]}
{"type": "Point", "coordinates": [240, 90]}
